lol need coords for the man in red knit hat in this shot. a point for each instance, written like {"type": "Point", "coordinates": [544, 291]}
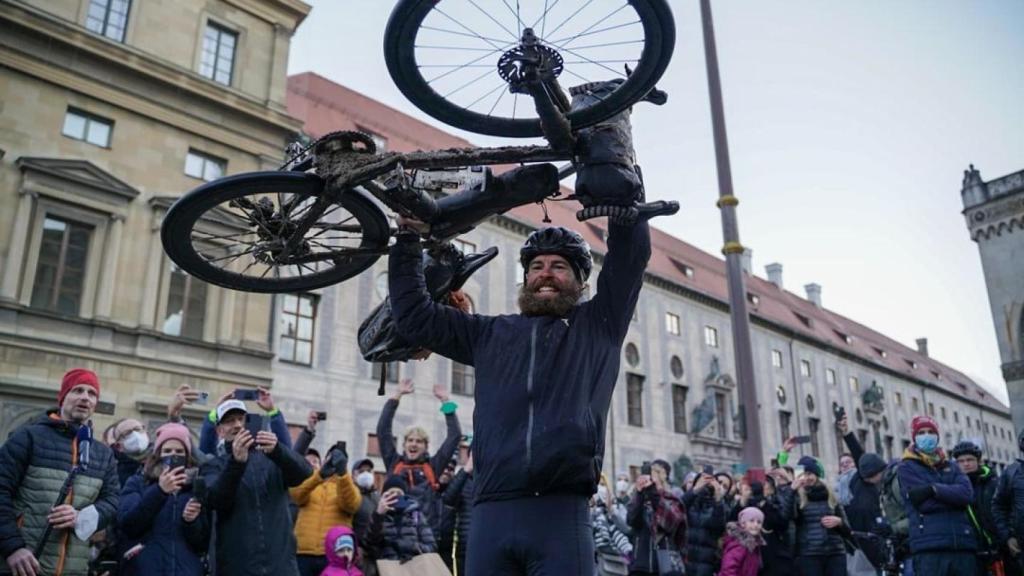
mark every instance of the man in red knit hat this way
{"type": "Point", "coordinates": [34, 465]}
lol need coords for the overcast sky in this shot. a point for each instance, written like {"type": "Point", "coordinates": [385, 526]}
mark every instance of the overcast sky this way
{"type": "Point", "coordinates": [850, 125]}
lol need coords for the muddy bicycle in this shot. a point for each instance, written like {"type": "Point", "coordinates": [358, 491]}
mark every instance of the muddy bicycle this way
{"type": "Point", "coordinates": [487, 66]}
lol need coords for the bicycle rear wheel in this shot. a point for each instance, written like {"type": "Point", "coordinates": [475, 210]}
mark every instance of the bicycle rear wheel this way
{"type": "Point", "coordinates": [234, 232]}
{"type": "Point", "coordinates": [446, 62]}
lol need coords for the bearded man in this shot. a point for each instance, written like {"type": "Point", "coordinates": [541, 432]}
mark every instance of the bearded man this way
{"type": "Point", "coordinates": [545, 379]}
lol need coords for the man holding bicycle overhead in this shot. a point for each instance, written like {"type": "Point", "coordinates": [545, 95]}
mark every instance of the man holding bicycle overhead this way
{"type": "Point", "coordinates": [546, 378]}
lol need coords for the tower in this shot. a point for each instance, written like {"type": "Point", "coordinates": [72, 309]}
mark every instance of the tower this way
{"type": "Point", "coordinates": [995, 219]}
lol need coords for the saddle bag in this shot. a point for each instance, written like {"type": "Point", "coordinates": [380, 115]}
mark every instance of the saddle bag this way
{"type": "Point", "coordinates": [608, 173]}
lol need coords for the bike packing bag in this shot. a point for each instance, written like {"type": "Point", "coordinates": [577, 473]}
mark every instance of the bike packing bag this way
{"type": "Point", "coordinates": [608, 174]}
{"type": "Point", "coordinates": [445, 271]}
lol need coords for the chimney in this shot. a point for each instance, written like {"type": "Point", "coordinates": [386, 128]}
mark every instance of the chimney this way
{"type": "Point", "coordinates": [813, 293]}
{"type": "Point", "coordinates": [774, 271]}
{"type": "Point", "coordinates": [746, 261]}
{"type": "Point", "coordinates": [922, 346]}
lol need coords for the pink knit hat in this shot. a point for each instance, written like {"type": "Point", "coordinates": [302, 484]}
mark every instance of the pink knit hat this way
{"type": "Point", "coordinates": [173, 431]}
{"type": "Point", "coordinates": [751, 513]}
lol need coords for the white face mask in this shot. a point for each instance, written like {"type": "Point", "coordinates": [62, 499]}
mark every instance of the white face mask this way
{"type": "Point", "coordinates": [622, 486]}
{"type": "Point", "coordinates": [364, 480]}
{"type": "Point", "coordinates": [135, 443]}
{"type": "Point", "coordinates": [602, 493]}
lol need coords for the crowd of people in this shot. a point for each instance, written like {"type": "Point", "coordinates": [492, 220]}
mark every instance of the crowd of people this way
{"type": "Point", "coordinates": [238, 497]}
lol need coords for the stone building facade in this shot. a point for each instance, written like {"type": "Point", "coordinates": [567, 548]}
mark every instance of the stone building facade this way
{"type": "Point", "coordinates": [110, 110]}
{"type": "Point", "coordinates": [994, 212]}
{"type": "Point", "coordinates": [676, 398]}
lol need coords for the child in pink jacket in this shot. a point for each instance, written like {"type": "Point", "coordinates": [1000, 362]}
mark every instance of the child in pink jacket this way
{"type": "Point", "coordinates": [741, 548]}
{"type": "Point", "coordinates": [340, 547]}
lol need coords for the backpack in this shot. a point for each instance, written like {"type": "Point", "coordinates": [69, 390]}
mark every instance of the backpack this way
{"type": "Point", "coordinates": [891, 497]}
{"type": "Point", "coordinates": [408, 470]}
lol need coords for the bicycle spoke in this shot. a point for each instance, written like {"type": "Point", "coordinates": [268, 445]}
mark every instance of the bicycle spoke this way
{"type": "Point", "coordinates": [567, 39]}
{"type": "Point", "coordinates": [624, 42]}
{"type": "Point", "coordinates": [544, 17]}
{"type": "Point", "coordinates": [573, 15]}
{"type": "Point", "coordinates": [473, 61]}
{"type": "Point", "coordinates": [515, 102]}
{"type": "Point", "coordinates": [492, 91]}
{"type": "Point", "coordinates": [326, 230]}
{"type": "Point", "coordinates": [500, 96]}
{"type": "Point", "coordinates": [581, 56]}
{"type": "Point", "coordinates": [246, 269]}
{"type": "Point", "coordinates": [466, 28]}
{"type": "Point", "coordinates": [519, 21]}
{"type": "Point", "coordinates": [473, 35]}
{"type": "Point", "coordinates": [588, 28]}
{"type": "Point", "coordinates": [493, 19]}
{"type": "Point", "coordinates": [467, 84]}
{"type": "Point", "coordinates": [231, 256]}
{"type": "Point", "coordinates": [601, 61]}
{"type": "Point", "coordinates": [429, 47]}
{"type": "Point", "coordinates": [585, 80]}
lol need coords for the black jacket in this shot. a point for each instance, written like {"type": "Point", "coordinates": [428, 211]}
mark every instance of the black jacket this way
{"type": "Point", "coordinates": [984, 483]}
{"type": "Point", "coordinates": [1008, 503]}
{"type": "Point", "coordinates": [253, 527]}
{"type": "Point", "coordinates": [706, 519]}
{"type": "Point", "coordinates": [152, 518]}
{"type": "Point", "coordinates": [459, 495]}
{"type": "Point", "coordinates": [546, 382]}
{"type": "Point", "coordinates": [812, 538]}
{"type": "Point", "coordinates": [641, 517]}
{"type": "Point", "coordinates": [401, 535]}
{"type": "Point", "coordinates": [361, 521]}
{"type": "Point", "coordinates": [777, 552]}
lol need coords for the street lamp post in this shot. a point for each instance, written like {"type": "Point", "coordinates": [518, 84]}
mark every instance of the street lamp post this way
{"type": "Point", "coordinates": [753, 454]}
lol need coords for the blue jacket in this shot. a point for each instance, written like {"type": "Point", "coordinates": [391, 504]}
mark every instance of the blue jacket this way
{"type": "Point", "coordinates": [545, 383]}
{"type": "Point", "coordinates": [940, 522]}
{"type": "Point", "coordinates": [153, 519]}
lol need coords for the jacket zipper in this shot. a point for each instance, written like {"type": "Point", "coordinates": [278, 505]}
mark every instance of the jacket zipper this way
{"type": "Point", "coordinates": [529, 398]}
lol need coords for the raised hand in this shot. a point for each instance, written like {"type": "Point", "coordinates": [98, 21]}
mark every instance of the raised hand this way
{"type": "Point", "coordinates": [387, 503]}
{"type": "Point", "coordinates": [441, 393]}
{"type": "Point", "coordinates": [240, 446]}
{"type": "Point", "coordinates": [264, 400]}
{"type": "Point", "coordinates": [311, 421]}
{"type": "Point", "coordinates": [172, 479]}
{"type": "Point", "coordinates": [406, 386]}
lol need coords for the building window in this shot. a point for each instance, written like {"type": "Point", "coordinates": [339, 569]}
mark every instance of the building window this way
{"type": "Point", "coordinates": [108, 18]}
{"type": "Point", "coordinates": [899, 399]}
{"type": "Point", "coordinates": [862, 437]}
{"type": "Point", "coordinates": [672, 323]}
{"type": "Point", "coordinates": [60, 273]}
{"type": "Point", "coordinates": [830, 376]}
{"type": "Point", "coordinates": [186, 305]}
{"type": "Point", "coordinates": [463, 379]}
{"type": "Point", "coordinates": [986, 427]}
{"type": "Point", "coordinates": [780, 393]}
{"type": "Point", "coordinates": [931, 409]}
{"type": "Point", "coordinates": [754, 299]}
{"type": "Point", "coordinates": [776, 358]}
{"type": "Point", "coordinates": [721, 424]}
{"type": "Point", "coordinates": [218, 53]}
{"type": "Point", "coordinates": [967, 421]}
{"type": "Point", "coordinates": [392, 375]}
{"type": "Point", "coordinates": [679, 408]}
{"type": "Point", "coordinates": [812, 428]}
{"type": "Point", "coordinates": [87, 128]}
{"type": "Point", "coordinates": [942, 412]}
{"type": "Point", "coordinates": [634, 399]}
{"type": "Point", "coordinates": [676, 366]}
{"type": "Point", "coordinates": [298, 321]}
{"type": "Point", "coordinates": [462, 245]}
{"type": "Point", "coordinates": [805, 368]}
{"type": "Point", "coordinates": [711, 336]}
{"type": "Point", "coordinates": [204, 166]}
{"type": "Point", "coordinates": [854, 385]}
{"type": "Point", "coordinates": [785, 419]}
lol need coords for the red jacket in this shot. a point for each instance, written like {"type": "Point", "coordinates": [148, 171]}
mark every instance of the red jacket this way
{"type": "Point", "coordinates": [741, 552]}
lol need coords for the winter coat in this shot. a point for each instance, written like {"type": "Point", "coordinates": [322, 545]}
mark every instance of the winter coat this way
{"type": "Point", "coordinates": [361, 521]}
{"type": "Point", "coordinates": [706, 519]}
{"type": "Point", "coordinates": [607, 536]}
{"type": "Point", "coordinates": [658, 520]}
{"type": "Point", "coordinates": [741, 552]}
{"type": "Point", "coordinates": [152, 518]}
{"type": "Point", "coordinates": [208, 432]}
{"type": "Point", "coordinates": [809, 505]}
{"type": "Point", "coordinates": [419, 484]}
{"type": "Point", "coordinates": [549, 381]}
{"type": "Point", "coordinates": [127, 467]}
{"type": "Point", "coordinates": [777, 552]}
{"type": "Point", "coordinates": [459, 495]}
{"type": "Point", "coordinates": [34, 463]}
{"type": "Point", "coordinates": [401, 535]}
{"type": "Point", "coordinates": [984, 482]}
{"type": "Point", "coordinates": [941, 521]}
{"type": "Point", "coordinates": [336, 565]}
{"type": "Point", "coordinates": [1008, 503]}
{"type": "Point", "coordinates": [323, 504]}
{"type": "Point", "coordinates": [250, 500]}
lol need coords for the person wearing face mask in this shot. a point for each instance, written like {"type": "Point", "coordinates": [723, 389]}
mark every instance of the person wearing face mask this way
{"type": "Point", "coordinates": [328, 498]}
{"type": "Point", "coordinates": [35, 462]}
{"type": "Point", "coordinates": [362, 472]}
{"type": "Point", "coordinates": [398, 529]}
{"type": "Point", "coordinates": [706, 513]}
{"type": "Point", "coordinates": [936, 495]}
{"type": "Point", "coordinates": [659, 522]}
{"type": "Point", "coordinates": [159, 513]}
{"type": "Point", "coordinates": [131, 448]}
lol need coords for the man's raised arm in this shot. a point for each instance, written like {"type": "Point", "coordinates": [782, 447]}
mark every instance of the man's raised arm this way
{"type": "Point", "coordinates": [622, 275]}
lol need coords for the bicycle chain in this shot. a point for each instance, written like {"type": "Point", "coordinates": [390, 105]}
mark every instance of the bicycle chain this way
{"type": "Point", "coordinates": [350, 135]}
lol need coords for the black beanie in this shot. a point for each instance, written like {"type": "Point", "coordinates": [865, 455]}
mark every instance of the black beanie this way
{"type": "Point", "coordinates": [395, 482]}
{"type": "Point", "coordinates": [811, 464]}
{"type": "Point", "coordinates": [869, 465]}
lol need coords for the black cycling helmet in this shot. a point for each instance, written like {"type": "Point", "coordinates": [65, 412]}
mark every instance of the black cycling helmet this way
{"type": "Point", "coordinates": [564, 243]}
{"type": "Point", "coordinates": [966, 448]}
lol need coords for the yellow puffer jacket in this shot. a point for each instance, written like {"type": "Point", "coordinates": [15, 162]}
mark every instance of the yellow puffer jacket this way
{"type": "Point", "coordinates": [323, 504]}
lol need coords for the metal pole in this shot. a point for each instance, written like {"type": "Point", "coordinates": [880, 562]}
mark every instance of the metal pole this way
{"type": "Point", "coordinates": [753, 454]}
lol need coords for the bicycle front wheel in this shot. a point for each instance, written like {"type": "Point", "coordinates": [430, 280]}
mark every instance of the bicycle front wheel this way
{"type": "Point", "coordinates": [444, 56]}
{"type": "Point", "coordinates": [245, 232]}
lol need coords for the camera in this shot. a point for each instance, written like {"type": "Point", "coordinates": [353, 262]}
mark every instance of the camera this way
{"type": "Point", "coordinates": [321, 416]}
{"type": "Point", "coordinates": [645, 469]}
{"type": "Point", "coordinates": [838, 412]}
{"type": "Point", "coordinates": [172, 462]}
{"type": "Point", "coordinates": [247, 394]}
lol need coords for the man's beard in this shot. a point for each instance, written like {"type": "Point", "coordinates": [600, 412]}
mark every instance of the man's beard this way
{"type": "Point", "coordinates": [532, 305]}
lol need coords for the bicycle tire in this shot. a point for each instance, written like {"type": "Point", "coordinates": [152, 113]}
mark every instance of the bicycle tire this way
{"type": "Point", "coordinates": [186, 212]}
{"type": "Point", "coordinates": [399, 53]}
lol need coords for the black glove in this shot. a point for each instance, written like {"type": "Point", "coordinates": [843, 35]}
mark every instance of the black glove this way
{"type": "Point", "coordinates": [920, 494]}
{"type": "Point", "coordinates": [336, 463]}
{"type": "Point", "coordinates": [329, 468]}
